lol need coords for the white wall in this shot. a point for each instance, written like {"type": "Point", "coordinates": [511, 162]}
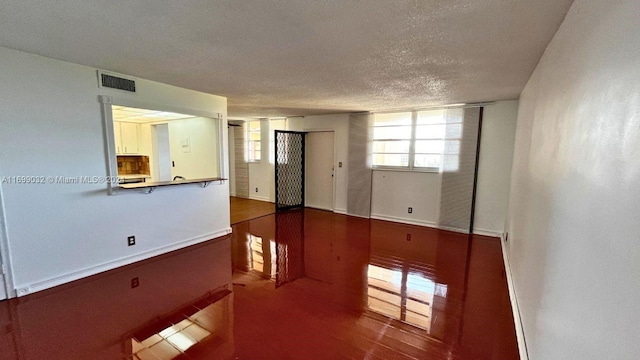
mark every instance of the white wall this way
{"type": "Point", "coordinates": [393, 192]}
{"type": "Point", "coordinates": [574, 202]}
{"type": "Point", "coordinates": [339, 123]}
{"type": "Point", "coordinates": [52, 126]}
{"type": "Point", "coordinates": [201, 159]}
{"type": "Point", "coordinates": [494, 168]}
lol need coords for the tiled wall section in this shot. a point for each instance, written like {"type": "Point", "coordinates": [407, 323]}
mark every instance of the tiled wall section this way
{"type": "Point", "coordinates": [128, 165]}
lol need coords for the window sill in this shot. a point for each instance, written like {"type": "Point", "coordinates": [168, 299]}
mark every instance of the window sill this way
{"type": "Point", "coordinates": [414, 170]}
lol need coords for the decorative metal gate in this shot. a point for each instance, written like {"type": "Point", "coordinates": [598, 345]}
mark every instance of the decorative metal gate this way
{"type": "Point", "coordinates": [289, 246]}
{"type": "Point", "coordinates": [289, 158]}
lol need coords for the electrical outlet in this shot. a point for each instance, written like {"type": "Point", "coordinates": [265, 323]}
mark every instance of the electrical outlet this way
{"type": "Point", "coordinates": [135, 282]}
{"type": "Point", "coordinates": [408, 237]}
{"type": "Point", "coordinates": [506, 237]}
{"type": "Point", "coordinates": [131, 240]}
{"type": "Point", "coordinates": [410, 210]}
{"type": "Point", "coordinates": [340, 164]}
{"type": "Point", "coordinates": [256, 189]}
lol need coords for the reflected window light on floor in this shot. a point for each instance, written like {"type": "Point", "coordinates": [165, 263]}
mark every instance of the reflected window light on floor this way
{"type": "Point", "coordinates": [404, 296]}
{"type": "Point", "coordinates": [259, 253]}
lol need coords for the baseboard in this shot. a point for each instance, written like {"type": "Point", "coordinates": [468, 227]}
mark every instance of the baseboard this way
{"type": "Point", "coordinates": [260, 198]}
{"type": "Point", "coordinates": [26, 289]}
{"type": "Point", "coordinates": [404, 220]}
{"type": "Point", "coordinates": [485, 232]}
{"type": "Point", "coordinates": [452, 229]}
{"type": "Point", "coordinates": [522, 344]}
{"type": "Point", "coordinates": [318, 208]}
{"type": "Point", "coordinates": [358, 216]}
{"type": "Point", "coordinates": [340, 211]}
{"type": "Point", "coordinates": [431, 225]}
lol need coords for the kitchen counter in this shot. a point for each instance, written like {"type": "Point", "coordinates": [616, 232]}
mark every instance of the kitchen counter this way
{"type": "Point", "coordinates": [134, 176]}
{"type": "Point", "coordinates": [148, 187]}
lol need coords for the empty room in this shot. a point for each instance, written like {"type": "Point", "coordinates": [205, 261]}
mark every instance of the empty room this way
{"type": "Point", "coordinates": [287, 179]}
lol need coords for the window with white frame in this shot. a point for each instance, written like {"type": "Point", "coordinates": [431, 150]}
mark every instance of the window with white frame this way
{"type": "Point", "coordinates": [254, 143]}
{"type": "Point", "coordinates": [413, 140]}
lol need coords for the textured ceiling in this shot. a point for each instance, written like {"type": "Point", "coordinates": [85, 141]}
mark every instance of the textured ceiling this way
{"type": "Point", "coordinates": [299, 57]}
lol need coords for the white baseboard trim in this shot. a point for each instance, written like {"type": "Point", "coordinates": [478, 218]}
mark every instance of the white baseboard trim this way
{"type": "Point", "coordinates": [522, 344]}
{"type": "Point", "coordinates": [358, 216]}
{"type": "Point", "coordinates": [404, 220]}
{"type": "Point", "coordinates": [340, 211]}
{"type": "Point", "coordinates": [448, 228]}
{"type": "Point", "coordinates": [26, 289]}
{"type": "Point", "coordinates": [318, 208]}
{"type": "Point", "coordinates": [260, 198]}
{"type": "Point", "coordinates": [485, 232]}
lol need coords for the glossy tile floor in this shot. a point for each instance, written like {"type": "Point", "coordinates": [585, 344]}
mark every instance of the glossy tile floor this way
{"type": "Point", "coordinates": [245, 209]}
{"type": "Point", "coordinates": [304, 284]}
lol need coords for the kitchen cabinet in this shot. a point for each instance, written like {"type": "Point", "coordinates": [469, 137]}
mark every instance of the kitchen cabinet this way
{"type": "Point", "coordinates": [126, 137]}
{"type": "Point", "coordinates": [117, 137]}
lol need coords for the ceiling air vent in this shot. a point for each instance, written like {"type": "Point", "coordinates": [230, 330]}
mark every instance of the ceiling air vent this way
{"type": "Point", "coordinates": [115, 82]}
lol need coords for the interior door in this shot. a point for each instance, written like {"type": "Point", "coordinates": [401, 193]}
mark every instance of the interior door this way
{"type": "Point", "coordinates": [161, 153]}
{"type": "Point", "coordinates": [320, 170]}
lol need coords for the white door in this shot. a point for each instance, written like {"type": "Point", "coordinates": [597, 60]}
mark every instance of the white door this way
{"type": "Point", "coordinates": [319, 170]}
{"type": "Point", "coordinates": [161, 153]}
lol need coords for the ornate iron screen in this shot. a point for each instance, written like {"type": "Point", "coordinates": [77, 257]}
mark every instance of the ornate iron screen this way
{"type": "Point", "coordinates": [289, 246]}
{"type": "Point", "coordinates": [289, 156]}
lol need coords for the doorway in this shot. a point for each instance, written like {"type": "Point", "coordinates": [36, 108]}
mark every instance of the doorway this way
{"type": "Point", "coordinates": [319, 191]}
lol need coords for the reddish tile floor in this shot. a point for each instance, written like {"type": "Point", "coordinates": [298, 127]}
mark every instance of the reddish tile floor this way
{"type": "Point", "coordinates": [297, 285]}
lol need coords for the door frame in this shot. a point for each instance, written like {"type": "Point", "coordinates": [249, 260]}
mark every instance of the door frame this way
{"type": "Point", "coordinates": [335, 161]}
{"type": "Point", "coordinates": [6, 280]}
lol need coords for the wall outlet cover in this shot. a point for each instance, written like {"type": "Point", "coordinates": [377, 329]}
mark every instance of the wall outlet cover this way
{"type": "Point", "coordinates": [131, 240]}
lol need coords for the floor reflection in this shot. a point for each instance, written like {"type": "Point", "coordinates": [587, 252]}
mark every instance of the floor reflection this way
{"type": "Point", "coordinates": [201, 326]}
{"type": "Point", "coordinates": [419, 292]}
{"type": "Point", "coordinates": [303, 284]}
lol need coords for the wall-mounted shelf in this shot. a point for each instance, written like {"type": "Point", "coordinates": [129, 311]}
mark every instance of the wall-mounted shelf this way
{"type": "Point", "coordinates": [148, 187]}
